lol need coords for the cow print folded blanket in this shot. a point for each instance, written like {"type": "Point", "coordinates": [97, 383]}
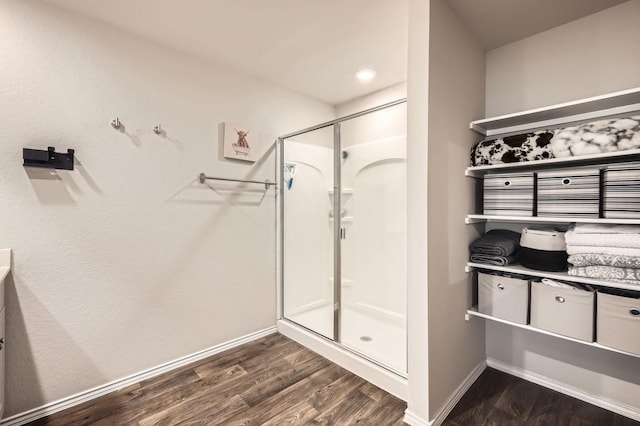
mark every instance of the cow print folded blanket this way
{"type": "Point", "coordinates": [608, 135]}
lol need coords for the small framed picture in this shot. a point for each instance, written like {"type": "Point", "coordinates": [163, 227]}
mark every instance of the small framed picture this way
{"type": "Point", "coordinates": [241, 143]}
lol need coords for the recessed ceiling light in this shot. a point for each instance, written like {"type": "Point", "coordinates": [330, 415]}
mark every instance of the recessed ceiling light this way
{"type": "Point", "coordinates": [365, 74]}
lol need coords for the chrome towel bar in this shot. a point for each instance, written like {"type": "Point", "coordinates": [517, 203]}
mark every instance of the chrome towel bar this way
{"type": "Point", "coordinates": [202, 178]}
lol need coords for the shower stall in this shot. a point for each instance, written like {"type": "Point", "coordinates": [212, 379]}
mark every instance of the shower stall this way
{"type": "Point", "coordinates": [343, 234]}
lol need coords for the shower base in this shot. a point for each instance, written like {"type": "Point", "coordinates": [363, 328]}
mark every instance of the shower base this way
{"type": "Point", "coordinates": [372, 372]}
{"type": "Point", "coordinates": [383, 340]}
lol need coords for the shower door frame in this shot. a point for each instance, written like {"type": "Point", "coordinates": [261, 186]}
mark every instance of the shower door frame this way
{"type": "Point", "coordinates": [337, 223]}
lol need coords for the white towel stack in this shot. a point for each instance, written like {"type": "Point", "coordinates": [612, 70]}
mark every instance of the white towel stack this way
{"type": "Point", "coordinates": [603, 251]}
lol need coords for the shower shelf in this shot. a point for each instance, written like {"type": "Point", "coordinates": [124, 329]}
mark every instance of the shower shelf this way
{"type": "Point", "coordinates": [345, 219]}
{"type": "Point", "coordinates": [345, 282]}
{"type": "Point", "coordinates": [344, 191]}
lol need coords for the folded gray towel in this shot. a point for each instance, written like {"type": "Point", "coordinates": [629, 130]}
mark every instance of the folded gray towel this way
{"type": "Point", "coordinates": [497, 242]}
{"type": "Point", "coordinates": [494, 260]}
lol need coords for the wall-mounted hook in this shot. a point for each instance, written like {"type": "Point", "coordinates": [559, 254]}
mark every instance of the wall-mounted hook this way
{"type": "Point", "coordinates": [116, 123]}
{"type": "Point", "coordinates": [157, 129]}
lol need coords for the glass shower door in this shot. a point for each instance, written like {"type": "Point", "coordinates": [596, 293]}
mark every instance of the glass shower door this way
{"type": "Point", "coordinates": [307, 200]}
{"type": "Point", "coordinates": [344, 233]}
{"type": "Point", "coordinates": [373, 245]}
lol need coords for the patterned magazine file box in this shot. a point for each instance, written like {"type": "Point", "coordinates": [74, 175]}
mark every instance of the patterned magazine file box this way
{"type": "Point", "coordinates": [619, 322]}
{"type": "Point", "coordinates": [508, 194]}
{"type": "Point", "coordinates": [573, 192]}
{"type": "Point", "coordinates": [565, 311]}
{"type": "Point", "coordinates": [503, 297]}
{"type": "Point", "coordinates": [621, 197]}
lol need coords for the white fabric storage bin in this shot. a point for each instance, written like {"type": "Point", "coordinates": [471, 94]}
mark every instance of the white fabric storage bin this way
{"type": "Point", "coordinates": [503, 297]}
{"type": "Point", "coordinates": [569, 192]}
{"type": "Point", "coordinates": [621, 191]}
{"type": "Point", "coordinates": [618, 322]}
{"type": "Point", "coordinates": [563, 310]}
{"type": "Point", "coordinates": [508, 194]}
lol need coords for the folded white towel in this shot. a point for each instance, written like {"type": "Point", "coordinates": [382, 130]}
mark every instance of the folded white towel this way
{"type": "Point", "coordinates": [620, 251]}
{"type": "Point", "coordinates": [602, 240]}
{"type": "Point", "coordinates": [605, 228]}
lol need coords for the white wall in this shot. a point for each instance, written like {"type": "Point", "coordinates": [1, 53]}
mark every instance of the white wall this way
{"type": "Point", "coordinates": [417, 210]}
{"type": "Point", "coordinates": [390, 94]}
{"type": "Point", "coordinates": [591, 56]}
{"type": "Point", "coordinates": [126, 262]}
{"type": "Point", "coordinates": [456, 97]}
{"type": "Point", "coordinates": [587, 57]}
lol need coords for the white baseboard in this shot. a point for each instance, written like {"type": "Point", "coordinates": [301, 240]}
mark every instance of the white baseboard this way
{"type": "Point", "coordinates": [458, 394]}
{"type": "Point", "coordinates": [79, 398]}
{"type": "Point", "coordinates": [412, 419]}
{"type": "Point", "coordinates": [599, 401]}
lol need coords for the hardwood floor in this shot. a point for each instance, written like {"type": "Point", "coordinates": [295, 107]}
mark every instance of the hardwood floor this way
{"type": "Point", "coordinates": [497, 398]}
{"type": "Point", "coordinates": [275, 381]}
{"type": "Point", "coordinates": [271, 381]}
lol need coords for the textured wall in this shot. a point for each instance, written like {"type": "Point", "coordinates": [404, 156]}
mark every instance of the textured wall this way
{"type": "Point", "coordinates": [584, 58]}
{"type": "Point", "coordinates": [127, 262]}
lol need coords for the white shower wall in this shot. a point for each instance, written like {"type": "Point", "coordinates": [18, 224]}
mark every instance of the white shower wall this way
{"type": "Point", "coordinates": [374, 252]}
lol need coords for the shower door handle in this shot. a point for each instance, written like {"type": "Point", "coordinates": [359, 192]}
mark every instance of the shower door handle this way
{"type": "Point", "coordinates": [342, 234]}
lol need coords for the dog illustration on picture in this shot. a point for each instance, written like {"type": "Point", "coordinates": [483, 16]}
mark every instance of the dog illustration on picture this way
{"type": "Point", "coordinates": [241, 147]}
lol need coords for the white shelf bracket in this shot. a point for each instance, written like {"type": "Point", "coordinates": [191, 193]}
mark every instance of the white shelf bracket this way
{"type": "Point", "coordinates": [472, 220]}
{"type": "Point", "coordinates": [467, 317]}
{"type": "Point", "coordinates": [479, 129]}
{"type": "Point", "coordinates": [468, 268]}
{"type": "Point", "coordinates": [469, 172]}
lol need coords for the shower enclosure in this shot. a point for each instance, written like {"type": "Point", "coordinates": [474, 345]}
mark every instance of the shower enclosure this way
{"type": "Point", "coordinates": [343, 232]}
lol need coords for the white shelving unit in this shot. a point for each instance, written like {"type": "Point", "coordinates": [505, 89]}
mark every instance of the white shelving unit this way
{"type": "Point", "coordinates": [618, 103]}
{"type": "Point", "coordinates": [479, 171]}
{"type": "Point", "coordinates": [623, 102]}
{"type": "Point", "coordinates": [562, 276]}
{"type": "Point", "coordinates": [473, 312]}
{"type": "Point", "coordinates": [481, 218]}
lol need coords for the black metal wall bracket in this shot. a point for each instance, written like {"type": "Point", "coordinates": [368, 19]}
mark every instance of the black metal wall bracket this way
{"type": "Point", "coordinates": [49, 158]}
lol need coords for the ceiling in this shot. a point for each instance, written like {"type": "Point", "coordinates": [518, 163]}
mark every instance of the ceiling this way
{"type": "Point", "coordinates": [499, 22]}
{"type": "Point", "coordinates": [314, 47]}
